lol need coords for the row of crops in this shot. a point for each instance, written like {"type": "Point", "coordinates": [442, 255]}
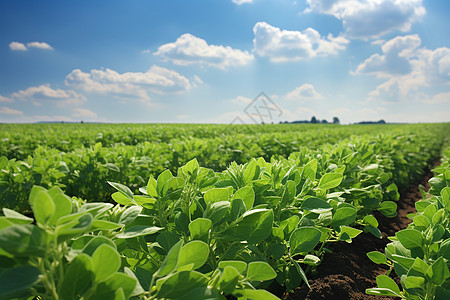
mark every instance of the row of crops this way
{"type": "Point", "coordinates": [195, 229]}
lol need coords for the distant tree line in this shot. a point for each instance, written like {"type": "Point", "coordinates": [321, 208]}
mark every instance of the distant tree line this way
{"type": "Point", "coordinates": [313, 120]}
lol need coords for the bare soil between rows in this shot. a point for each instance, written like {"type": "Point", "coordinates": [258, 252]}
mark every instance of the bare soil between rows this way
{"type": "Point", "coordinates": [348, 272]}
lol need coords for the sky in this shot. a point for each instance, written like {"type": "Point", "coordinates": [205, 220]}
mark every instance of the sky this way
{"type": "Point", "coordinates": [224, 61]}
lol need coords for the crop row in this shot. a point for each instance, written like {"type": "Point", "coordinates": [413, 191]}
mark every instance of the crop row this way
{"type": "Point", "coordinates": [85, 171]}
{"type": "Point", "coordinates": [202, 234]}
{"type": "Point", "coordinates": [420, 254]}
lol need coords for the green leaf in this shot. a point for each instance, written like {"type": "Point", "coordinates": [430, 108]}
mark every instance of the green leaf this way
{"type": "Point", "coordinates": [173, 188]}
{"type": "Point", "coordinates": [203, 293]}
{"type": "Point", "coordinates": [43, 207]}
{"type": "Point", "coordinates": [371, 220]}
{"type": "Point", "coordinates": [381, 292]}
{"type": "Point", "coordinates": [405, 262]}
{"type": "Point", "coordinates": [129, 215]}
{"type": "Point", "coordinates": [122, 199]}
{"type": "Point", "coordinates": [414, 282]}
{"type": "Point", "coordinates": [151, 188]}
{"type": "Point", "coordinates": [386, 282]}
{"type": "Point", "coordinates": [77, 279]}
{"type": "Point", "coordinates": [444, 250]}
{"type": "Point", "coordinates": [96, 242]}
{"type": "Point", "coordinates": [237, 209]}
{"type": "Point", "coordinates": [217, 211]}
{"type": "Point", "coordinates": [72, 225]}
{"type": "Point", "coordinates": [194, 252]}
{"type": "Point", "coordinates": [262, 228]}
{"type": "Point", "coordinates": [241, 266]}
{"type": "Point", "coordinates": [199, 228]}
{"type": "Point", "coordinates": [410, 238]}
{"type": "Point", "coordinates": [16, 280]}
{"type": "Point", "coordinates": [258, 295]}
{"type": "Point", "coordinates": [309, 170]}
{"type": "Point", "coordinates": [316, 205]}
{"type": "Point", "coordinates": [377, 257]}
{"type": "Point", "coordinates": [304, 239]}
{"type": "Point", "coordinates": [344, 216]}
{"type": "Point", "coordinates": [216, 195]}
{"type": "Point", "coordinates": [105, 262]}
{"type": "Point", "coordinates": [180, 283]}
{"type": "Point", "coordinates": [162, 179]}
{"type": "Point", "coordinates": [138, 230]}
{"type": "Point", "coordinates": [438, 272]}
{"type": "Point", "coordinates": [251, 171]}
{"type": "Point", "coordinates": [260, 271]}
{"type": "Point", "coordinates": [229, 279]}
{"type": "Point", "coordinates": [388, 208]}
{"type": "Point", "coordinates": [347, 233]}
{"type": "Point", "coordinates": [104, 225]}
{"type": "Point", "coordinates": [171, 260]}
{"type": "Point", "coordinates": [124, 190]}
{"type": "Point", "coordinates": [330, 180]}
{"type": "Point", "coordinates": [117, 282]}
{"type": "Point", "coordinates": [15, 217]}
{"type": "Point", "coordinates": [63, 204]}
{"type": "Point", "coordinates": [247, 195]}
{"type": "Point", "coordinates": [23, 240]}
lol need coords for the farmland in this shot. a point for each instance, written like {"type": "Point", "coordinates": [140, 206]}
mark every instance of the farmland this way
{"type": "Point", "coordinates": [147, 211]}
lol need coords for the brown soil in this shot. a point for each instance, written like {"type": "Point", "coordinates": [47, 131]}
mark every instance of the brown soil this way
{"type": "Point", "coordinates": [348, 272]}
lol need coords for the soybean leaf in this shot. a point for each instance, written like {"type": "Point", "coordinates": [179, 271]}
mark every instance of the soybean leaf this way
{"type": "Point", "coordinates": [23, 240]}
{"type": "Point", "coordinates": [15, 217]}
{"type": "Point", "coordinates": [43, 207]}
{"type": "Point", "coordinates": [199, 228]}
{"type": "Point", "coordinates": [410, 238]}
{"type": "Point", "coordinates": [438, 272]}
{"type": "Point", "coordinates": [247, 195]}
{"type": "Point", "coordinates": [77, 279]}
{"type": "Point", "coordinates": [122, 189]}
{"type": "Point", "coordinates": [171, 260]}
{"type": "Point", "coordinates": [138, 230]}
{"type": "Point", "coordinates": [151, 188]}
{"type": "Point", "coordinates": [258, 295]}
{"type": "Point", "coordinates": [381, 292]}
{"type": "Point", "coordinates": [330, 180]}
{"type": "Point", "coordinates": [260, 271]}
{"type": "Point", "coordinates": [377, 257]}
{"type": "Point", "coordinates": [388, 208]}
{"type": "Point", "coordinates": [414, 282]}
{"type": "Point", "coordinates": [16, 280]}
{"type": "Point", "coordinates": [344, 216]}
{"type": "Point", "coordinates": [122, 199]}
{"type": "Point", "coordinates": [194, 252]}
{"type": "Point", "coordinates": [316, 205]}
{"type": "Point", "coordinates": [304, 239]}
{"type": "Point", "coordinates": [63, 204]}
{"type": "Point", "coordinates": [96, 242]}
{"type": "Point", "coordinates": [216, 195]}
{"type": "Point", "coordinates": [118, 281]}
{"type": "Point", "coordinates": [384, 281]}
{"type": "Point", "coordinates": [241, 266]}
{"type": "Point", "coordinates": [105, 262]}
{"type": "Point", "coordinates": [229, 279]}
{"type": "Point", "coordinates": [76, 224]}
{"type": "Point", "coordinates": [203, 293]}
{"type": "Point", "coordinates": [129, 215]}
{"type": "Point", "coordinates": [180, 283]}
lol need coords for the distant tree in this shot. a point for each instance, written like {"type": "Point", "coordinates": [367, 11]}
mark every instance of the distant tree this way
{"type": "Point", "coordinates": [313, 120]}
{"type": "Point", "coordinates": [324, 121]}
{"type": "Point", "coordinates": [336, 120]}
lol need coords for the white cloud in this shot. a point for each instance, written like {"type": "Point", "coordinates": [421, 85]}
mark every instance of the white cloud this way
{"type": "Point", "coordinates": [284, 45]}
{"type": "Point", "coordinates": [16, 46]}
{"type": "Point", "coordinates": [40, 45]}
{"type": "Point", "coordinates": [83, 112]}
{"type": "Point", "coordinates": [407, 68]}
{"type": "Point", "coordinates": [239, 2]}
{"type": "Point", "coordinates": [304, 92]}
{"type": "Point", "coordinates": [45, 92]}
{"type": "Point", "coordinates": [130, 84]}
{"type": "Point", "coordinates": [396, 58]}
{"type": "Point", "coordinates": [371, 18]}
{"type": "Point", "coordinates": [9, 111]}
{"type": "Point", "coordinates": [439, 98]}
{"type": "Point", "coordinates": [5, 99]}
{"type": "Point", "coordinates": [242, 101]}
{"type": "Point", "coordinates": [189, 49]}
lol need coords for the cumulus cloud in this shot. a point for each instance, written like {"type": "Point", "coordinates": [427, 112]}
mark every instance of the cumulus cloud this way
{"type": "Point", "coordinates": [239, 2]}
{"type": "Point", "coordinates": [406, 68]}
{"type": "Point", "coordinates": [242, 101]}
{"type": "Point", "coordinates": [304, 92]}
{"type": "Point", "coordinates": [130, 84]}
{"type": "Point", "coordinates": [189, 49]}
{"type": "Point", "coordinates": [364, 19]}
{"type": "Point", "coordinates": [9, 111]}
{"type": "Point", "coordinates": [37, 94]}
{"type": "Point", "coordinates": [84, 113]}
{"type": "Point", "coordinates": [16, 46]}
{"type": "Point", "coordinates": [396, 57]}
{"type": "Point", "coordinates": [40, 45]}
{"type": "Point", "coordinates": [284, 45]}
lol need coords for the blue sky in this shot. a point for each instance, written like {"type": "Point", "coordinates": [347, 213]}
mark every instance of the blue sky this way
{"type": "Point", "coordinates": [206, 61]}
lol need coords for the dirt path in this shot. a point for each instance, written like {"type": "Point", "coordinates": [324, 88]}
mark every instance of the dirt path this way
{"type": "Point", "coordinates": [348, 272]}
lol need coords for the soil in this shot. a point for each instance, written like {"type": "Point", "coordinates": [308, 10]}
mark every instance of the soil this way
{"type": "Point", "coordinates": [348, 272]}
